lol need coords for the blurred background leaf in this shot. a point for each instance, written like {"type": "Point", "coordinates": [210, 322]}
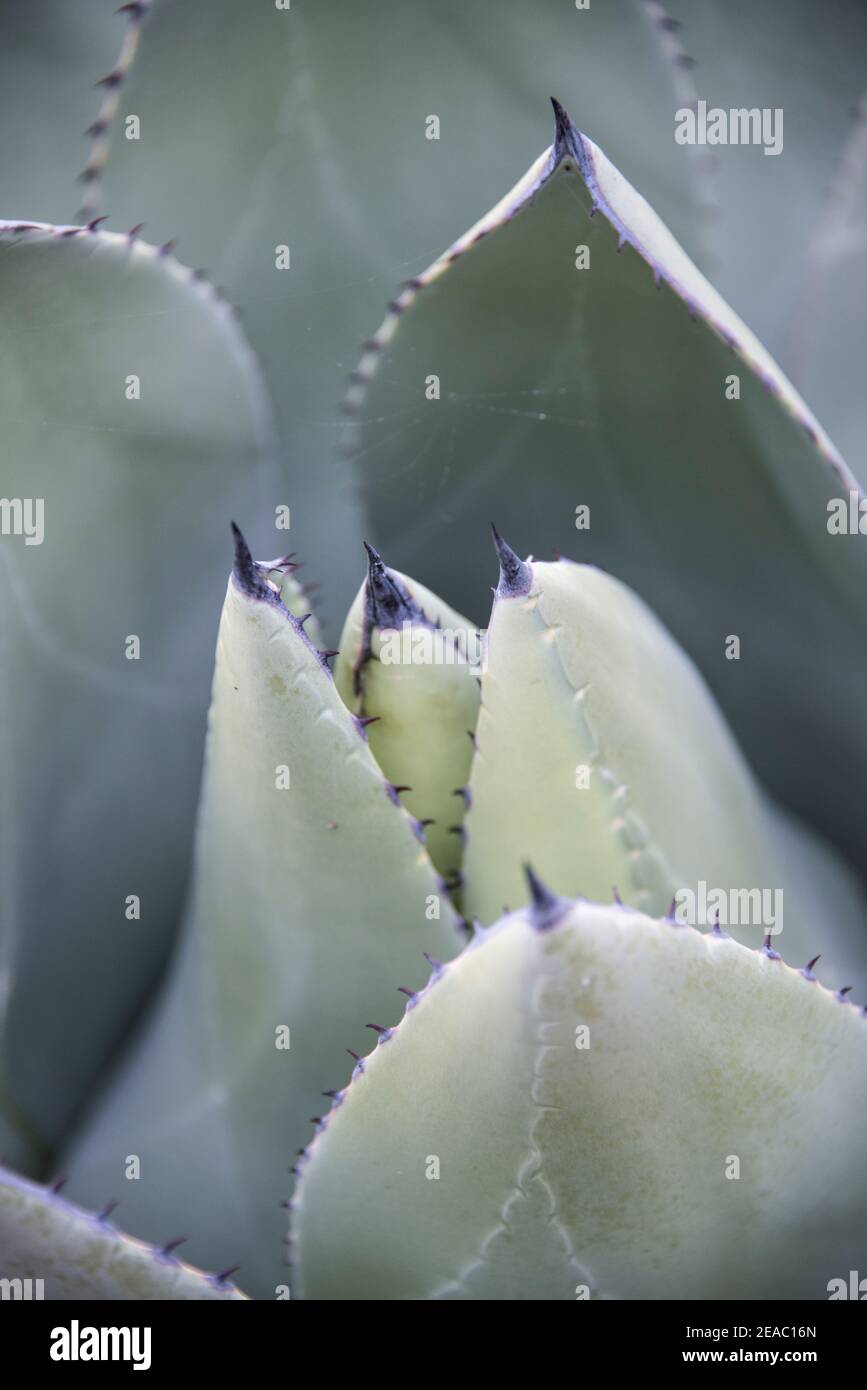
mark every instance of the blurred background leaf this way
{"type": "Point", "coordinates": [102, 754]}
{"type": "Point", "coordinates": [777, 214]}
{"type": "Point", "coordinates": [306, 128]}
{"type": "Point", "coordinates": [51, 54]}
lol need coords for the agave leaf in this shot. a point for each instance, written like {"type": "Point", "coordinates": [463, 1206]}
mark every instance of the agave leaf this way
{"type": "Point", "coordinates": [829, 335]}
{"type": "Point", "coordinates": [297, 81]}
{"type": "Point", "coordinates": [78, 1255]}
{"type": "Point", "coordinates": [311, 889]}
{"type": "Point", "coordinates": [409, 662]}
{"type": "Point", "coordinates": [281, 576]}
{"type": "Point", "coordinates": [564, 388]}
{"type": "Point", "coordinates": [562, 1163]}
{"type": "Point", "coordinates": [602, 757]}
{"type": "Point", "coordinates": [359, 202]}
{"type": "Point", "coordinates": [356, 628]}
{"type": "Point", "coordinates": [101, 748]}
{"type": "Point", "coordinates": [795, 264]}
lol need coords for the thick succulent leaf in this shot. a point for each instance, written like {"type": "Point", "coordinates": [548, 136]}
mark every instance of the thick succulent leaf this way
{"type": "Point", "coordinates": [307, 86]}
{"type": "Point", "coordinates": [311, 891]}
{"type": "Point", "coordinates": [606, 388]}
{"type": "Point", "coordinates": [361, 202]}
{"type": "Point", "coordinates": [355, 628]}
{"type": "Point", "coordinates": [830, 334]}
{"type": "Point", "coordinates": [101, 740]}
{"type": "Point", "coordinates": [603, 759]}
{"type": "Point", "coordinates": [744, 52]}
{"type": "Point", "coordinates": [78, 1255]}
{"type": "Point", "coordinates": [561, 1113]}
{"type": "Point", "coordinates": [787, 231]}
{"type": "Point", "coordinates": [409, 662]}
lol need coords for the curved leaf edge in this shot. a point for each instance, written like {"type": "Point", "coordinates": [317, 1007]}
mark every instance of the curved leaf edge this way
{"type": "Point", "coordinates": [13, 231]}
{"type": "Point", "coordinates": [544, 913]}
{"type": "Point", "coordinates": [112, 86]}
{"type": "Point", "coordinates": [250, 577]}
{"type": "Point", "coordinates": [573, 151]}
{"type": "Point", "coordinates": [51, 1194]}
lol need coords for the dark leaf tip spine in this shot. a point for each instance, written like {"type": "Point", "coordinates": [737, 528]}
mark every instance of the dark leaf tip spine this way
{"type": "Point", "coordinates": [389, 605]}
{"type": "Point", "coordinates": [546, 909]}
{"type": "Point", "coordinates": [568, 140]}
{"type": "Point", "coordinates": [516, 576]}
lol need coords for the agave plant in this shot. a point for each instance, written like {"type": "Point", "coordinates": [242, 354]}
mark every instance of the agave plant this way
{"type": "Point", "coordinates": [597, 845]}
{"type": "Point", "coordinates": [586, 1082]}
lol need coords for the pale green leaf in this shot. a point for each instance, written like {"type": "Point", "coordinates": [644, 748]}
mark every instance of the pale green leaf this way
{"type": "Point", "coordinates": [314, 137]}
{"type": "Point", "coordinates": [100, 753]}
{"type": "Point", "coordinates": [603, 759]}
{"type": "Point", "coordinates": [705, 1137]}
{"type": "Point", "coordinates": [606, 388]}
{"type": "Point", "coordinates": [410, 663]}
{"type": "Point", "coordinates": [312, 891]}
{"type": "Point", "coordinates": [78, 1255]}
{"type": "Point", "coordinates": [787, 232]}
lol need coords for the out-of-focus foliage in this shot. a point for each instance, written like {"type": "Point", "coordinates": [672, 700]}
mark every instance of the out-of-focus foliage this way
{"type": "Point", "coordinates": [132, 409]}
{"type": "Point", "coordinates": [313, 159]}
